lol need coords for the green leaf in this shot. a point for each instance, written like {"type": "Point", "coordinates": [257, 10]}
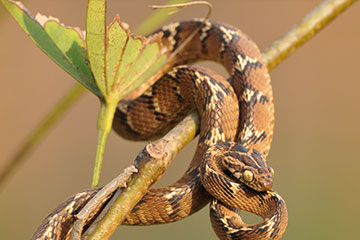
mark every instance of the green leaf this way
{"type": "Point", "coordinates": [117, 39]}
{"type": "Point", "coordinates": [139, 58]}
{"type": "Point", "coordinates": [148, 62]}
{"type": "Point", "coordinates": [64, 45]}
{"type": "Point", "coordinates": [95, 40]}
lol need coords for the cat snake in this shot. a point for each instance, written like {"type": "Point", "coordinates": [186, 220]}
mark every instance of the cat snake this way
{"type": "Point", "coordinates": [237, 120]}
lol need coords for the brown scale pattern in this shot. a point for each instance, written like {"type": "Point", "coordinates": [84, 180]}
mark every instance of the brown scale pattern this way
{"type": "Point", "coordinates": [160, 108]}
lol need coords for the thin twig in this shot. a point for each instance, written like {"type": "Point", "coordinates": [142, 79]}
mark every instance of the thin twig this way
{"type": "Point", "coordinates": [92, 206]}
{"type": "Point", "coordinates": [184, 5]}
{"type": "Point", "coordinates": [186, 130]}
{"type": "Point", "coordinates": [156, 19]}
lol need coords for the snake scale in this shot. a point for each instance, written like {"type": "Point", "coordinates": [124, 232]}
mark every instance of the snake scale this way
{"type": "Point", "coordinates": [229, 167]}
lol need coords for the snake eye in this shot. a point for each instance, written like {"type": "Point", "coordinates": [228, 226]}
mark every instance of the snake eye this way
{"type": "Point", "coordinates": [248, 176]}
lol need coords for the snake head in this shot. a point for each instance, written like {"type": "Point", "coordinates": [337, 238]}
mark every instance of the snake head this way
{"type": "Point", "coordinates": [250, 168]}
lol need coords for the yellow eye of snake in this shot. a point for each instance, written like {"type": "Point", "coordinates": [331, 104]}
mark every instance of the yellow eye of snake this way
{"type": "Point", "coordinates": [248, 176]}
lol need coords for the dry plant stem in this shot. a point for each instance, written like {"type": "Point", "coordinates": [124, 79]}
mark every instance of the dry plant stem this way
{"type": "Point", "coordinates": [41, 130]}
{"type": "Point", "coordinates": [150, 160]}
{"type": "Point", "coordinates": [185, 131]}
{"type": "Point", "coordinates": [151, 164]}
{"type": "Point", "coordinates": [92, 206]}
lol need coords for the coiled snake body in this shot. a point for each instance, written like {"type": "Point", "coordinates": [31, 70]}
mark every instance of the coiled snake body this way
{"type": "Point", "coordinates": [231, 148]}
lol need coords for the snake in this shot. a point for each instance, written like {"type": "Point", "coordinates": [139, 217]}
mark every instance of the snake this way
{"type": "Point", "coordinates": [236, 128]}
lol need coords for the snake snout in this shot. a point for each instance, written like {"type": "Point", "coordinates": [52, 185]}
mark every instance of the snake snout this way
{"type": "Point", "coordinates": [268, 185]}
{"type": "Point", "coordinates": [265, 183]}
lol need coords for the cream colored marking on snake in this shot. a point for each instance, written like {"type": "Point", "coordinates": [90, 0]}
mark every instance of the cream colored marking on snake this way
{"type": "Point", "coordinates": [228, 34]}
{"type": "Point", "coordinates": [172, 29]}
{"type": "Point", "coordinates": [204, 30]}
{"type": "Point", "coordinates": [242, 62]}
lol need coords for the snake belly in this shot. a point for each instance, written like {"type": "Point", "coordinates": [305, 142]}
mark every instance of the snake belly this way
{"type": "Point", "coordinates": [250, 79]}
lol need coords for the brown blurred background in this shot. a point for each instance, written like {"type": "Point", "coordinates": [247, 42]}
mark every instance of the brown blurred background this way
{"type": "Point", "coordinates": [314, 152]}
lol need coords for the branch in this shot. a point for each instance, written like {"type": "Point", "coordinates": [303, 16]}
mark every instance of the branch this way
{"type": "Point", "coordinates": [93, 206]}
{"type": "Point", "coordinates": [185, 131]}
{"type": "Point", "coordinates": [150, 164]}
